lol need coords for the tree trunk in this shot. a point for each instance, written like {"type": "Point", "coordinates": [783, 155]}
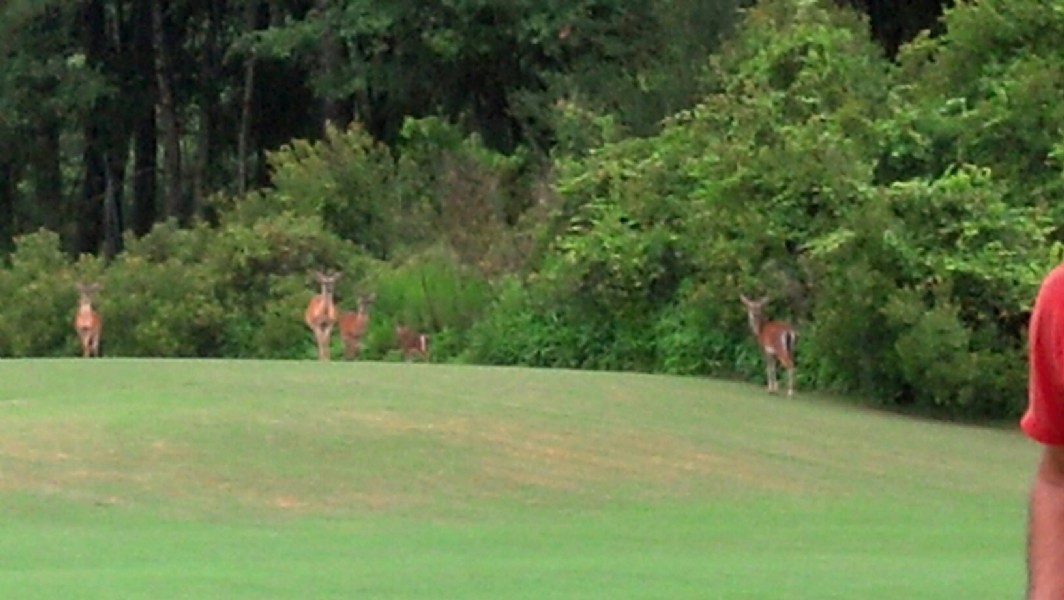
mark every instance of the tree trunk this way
{"type": "Point", "coordinates": [145, 140]}
{"type": "Point", "coordinates": [210, 67]}
{"type": "Point", "coordinates": [334, 110]}
{"type": "Point", "coordinates": [89, 212]}
{"type": "Point", "coordinates": [8, 184]}
{"type": "Point", "coordinates": [174, 201]}
{"type": "Point", "coordinates": [247, 103]}
{"type": "Point", "coordinates": [48, 177]}
{"type": "Point", "coordinates": [112, 214]}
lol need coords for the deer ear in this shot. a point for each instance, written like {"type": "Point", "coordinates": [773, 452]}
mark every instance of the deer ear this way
{"type": "Point", "coordinates": [762, 300]}
{"type": "Point", "coordinates": [744, 299]}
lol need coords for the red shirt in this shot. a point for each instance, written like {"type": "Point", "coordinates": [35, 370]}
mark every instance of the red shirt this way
{"type": "Point", "coordinates": [1044, 419]}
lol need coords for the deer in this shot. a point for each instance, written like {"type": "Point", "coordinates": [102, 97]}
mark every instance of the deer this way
{"type": "Point", "coordinates": [412, 343]}
{"type": "Point", "coordinates": [87, 322]}
{"type": "Point", "coordinates": [777, 340]}
{"type": "Point", "coordinates": [320, 315]}
{"type": "Point", "coordinates": [353, 326]}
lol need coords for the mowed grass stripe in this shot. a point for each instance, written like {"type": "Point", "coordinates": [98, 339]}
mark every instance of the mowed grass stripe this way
{"type": "Point", "coordinates": [300, 479]}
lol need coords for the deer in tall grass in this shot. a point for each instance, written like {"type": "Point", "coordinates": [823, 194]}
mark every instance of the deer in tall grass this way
{"type": "Point", "coordinates": [87, 321]}
{"type": "Point", "coordinates": [353, 326]}
{"type": "Point", "coordinates": [776, 339]}
{"type": "Point", "coordinates": [320, 315]}
{"type": "Point", "coordinates": [412, 343]}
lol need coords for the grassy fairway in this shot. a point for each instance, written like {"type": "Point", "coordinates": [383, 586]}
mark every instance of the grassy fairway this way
{"type": "Point", "coordinates": [247, 479]}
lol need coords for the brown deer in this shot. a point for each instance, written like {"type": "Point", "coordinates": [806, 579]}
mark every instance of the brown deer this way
{"type": "Point", "coordinates": [320, 315]}
{"type": "Point", "coordinates": [353, 326]}
{"type": "Point", "coordinates": [777, 340]}
{"type": "Point", "coordinates": [87, 322]}
{"type": "Point", "coordinates": [412, 343]}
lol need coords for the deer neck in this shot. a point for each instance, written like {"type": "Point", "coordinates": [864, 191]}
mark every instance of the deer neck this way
{"type": "Point", "coordinates": [326, 294]}
{"type": "Point", "coordinates": [326, 309]}
{"type": "Point", "coordinates": [757, 323]}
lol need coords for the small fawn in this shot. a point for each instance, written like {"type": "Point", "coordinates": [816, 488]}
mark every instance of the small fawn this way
{"type": "Point", "coordinates": [412, 343]}
{"type": "Point", "coordinates": [87, 322]}
{"type": "Point", "coordinates": [777, 340]}
{"type": "Point", "coordinates": [353, 326]}
{"type": "Point", "coordinates": [320, 315]}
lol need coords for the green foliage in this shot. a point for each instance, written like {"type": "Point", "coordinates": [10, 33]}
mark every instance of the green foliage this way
{"type": "Point", "coordinates": [345, 180]}
{"type": "Point", "coordinates": [721, 200]}
{"type": "Point", "coordinates": [518, 331]}
{"type": "Point", "coordinates": [691, 340]}
{"type": "Point", "coordinates": [457, 190]}
{"type": "Point", "coordinates": [39, 299]}
{"type": "Point", "coordinates": [580, 130]}
{"type": "Point", "coordinates": [162, 308]}
{"type": "Point", "coordinates": [987, 92]}
{"type": "Point", "coordinates": [239, 290]}
{"type": "Point", "coordinates": [921, 298]}
{"type": "Point", "coordinates": [432, 292]}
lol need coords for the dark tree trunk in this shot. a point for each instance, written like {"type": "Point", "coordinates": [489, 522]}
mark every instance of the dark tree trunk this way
{"type": "Point", "coordinates": [247, 104]}
{"type": "Point", "coordinates": [174, 201]}
{"type": "Point", "coordinates": [89, 227]}
{"type": "Point", "coordinates": [894, 23]}
{"type": "Point", "coordinates": [210, 71]}
{"type": "Point", "coordinates": [145, 140]}
{"type": "Point", "coordinates": [334, 109]}
{"type": "Point", "coordinates": [48, 178]}
{"type": "Point", "coordinates": [8, 182]}
{"type": "Point", "coordinates": [113, 223]}
{"type": "Point", "coordinates": [89, 212]}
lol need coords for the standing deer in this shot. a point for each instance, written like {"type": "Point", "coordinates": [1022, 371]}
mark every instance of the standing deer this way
{"type": "Point", "coordinates": [412, 342]}
{"type": "Point", "coordinates": [777, 340]}
{"type": "Point", "coordinates": [320, 315]}
{"type": "Point", "coordinates": [87, 322]}
{"type": "Point", "coordinates": [353, 326]}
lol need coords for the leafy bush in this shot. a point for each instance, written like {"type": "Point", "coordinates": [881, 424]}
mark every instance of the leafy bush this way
{"type": "Point", "coordinates": [165, 308]}
{"type": "Point", "coordinates": [921, 289]}
{"type": "Point", "coordinates": [694, 337]}
{"type": "Point", "coordinates": [38, 298]}
{"type": "Point", "coordinates": [346, 180]}
{"type": "Point", "coordinates": [431, 292]}
{"type": "Point", "coordinates": [517, 331]}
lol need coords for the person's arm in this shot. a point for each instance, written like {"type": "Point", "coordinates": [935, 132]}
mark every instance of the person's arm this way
{"type": "Point", "coordinates": [1045, 532]}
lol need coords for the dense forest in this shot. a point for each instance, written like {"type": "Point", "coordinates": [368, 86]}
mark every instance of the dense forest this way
{"type": "Point", "coordinates": [582, 184]}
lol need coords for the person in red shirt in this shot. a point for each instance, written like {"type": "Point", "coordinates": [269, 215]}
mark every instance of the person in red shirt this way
{"type": "Point", "coordinates": [1043, 422]}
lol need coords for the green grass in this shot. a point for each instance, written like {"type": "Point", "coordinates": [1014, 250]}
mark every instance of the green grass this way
{"type": "Point", "coordinates": [249, 479]}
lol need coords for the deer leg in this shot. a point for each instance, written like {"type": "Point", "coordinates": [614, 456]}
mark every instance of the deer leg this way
{"type": "Point", "coordinates": [770, 371]}
{"type": "Point", "coordinates": [319, 338]}
{"type": "Point", "coordinates": [83, 339]}
{"type": "Point", "coordinates": [790, 381]}
{"type": "Point", "coordinates": [326, 338]}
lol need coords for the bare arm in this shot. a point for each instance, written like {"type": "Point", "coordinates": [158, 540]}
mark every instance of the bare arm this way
{"type": "Point", "coordinates": [1045, 534]}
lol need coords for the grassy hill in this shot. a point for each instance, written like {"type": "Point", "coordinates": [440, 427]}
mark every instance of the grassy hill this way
{"type": "Point", "coordinates": [251, 479]}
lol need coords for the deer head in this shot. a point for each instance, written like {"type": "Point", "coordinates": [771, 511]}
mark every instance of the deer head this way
{"type": "Point", "coordinates": [327, 281]}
